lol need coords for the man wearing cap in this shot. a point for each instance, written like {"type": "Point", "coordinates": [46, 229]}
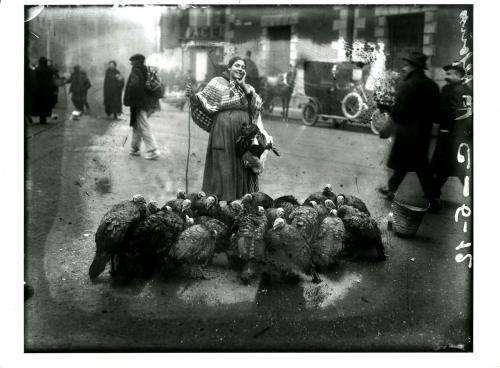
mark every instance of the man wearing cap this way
{"type": "Point", "coordinates": [415, 109]}
{"type": "Point", "coordinates": [140, 109]}
{"type": "Point", "coordinates": [455, 127]}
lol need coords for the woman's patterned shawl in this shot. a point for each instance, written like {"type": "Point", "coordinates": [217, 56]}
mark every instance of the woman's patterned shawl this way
{"type": "Point", "coordinates": [223, 94]}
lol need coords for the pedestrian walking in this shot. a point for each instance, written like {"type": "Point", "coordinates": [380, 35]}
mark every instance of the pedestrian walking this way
{"type": "Point", "coordinates": [230, 102]}
{"type": "Point", "coordinates": [455, 127]}
{"type": "Point", "coordinates": [142, 105]}
{"type": "Point", "coordinates": [113, 88]}
{"type": "Point", "coordinates": [79, 85]}
{"type": "Point", "coordinates": [415, 109]}
{"type": "Point", "coordinates": [42, 98]}
{"type": "Point", "coordinates": [286, 87]}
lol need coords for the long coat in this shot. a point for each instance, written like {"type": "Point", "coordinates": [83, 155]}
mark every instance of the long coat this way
{"type": "Point", "coordinates": [135, 90]}
{"type": "Point", "coordinates": [80, 84]}
{"type": "Point", "coordinates": [452, 132]}
{"type": "Point", "coordinates": [113, 87]}
{"type": "Point", "coordinates": [225, 174]}
{"type": "Point", "coordinates": [42, 96]}
{"type": "Point", "coordinates": [415, 109]}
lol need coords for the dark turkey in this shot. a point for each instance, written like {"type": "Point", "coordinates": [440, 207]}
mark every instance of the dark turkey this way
{"type": "Point", "coordinates": [248, 242]}
{"type": "Point", "coordinates": [306, 220]}
{"type": "Point", "coordinates": [194, 248]}
{"type": "Point", "coordinates": [288, 203]}
{"type": "Point", "coordinates": [115, 227]}
{"type": "Point", "coordinates": [350, 200]}
{"type": "Point", "coordinates": [198, 202]}
{"type": "Point", "coordinates": [272, 214]}
{"type": "Point", "coordinates": [222, 240]}
{"type": "Point", "coordinates": [226, 213]}
{"type": "Point", "coordinates": [252, 163]}
{"type": "Point", "coordinates": [287, 253]}
{"type": "Point", "coordinates": [362, 231]}
{"type": "Point", "coordinates": [205, 206]}
{"type": "Point", "coordinates": [262, 199]}
{"type": "Point", "coordinates": [179, 205]}
{"type": "Point", "coordinates": [330, 241]}
{"type": "Point", "coordinates": [321, 197]}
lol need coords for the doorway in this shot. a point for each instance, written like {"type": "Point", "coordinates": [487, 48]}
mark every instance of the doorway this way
{"type": "Point", "coordinates": [279, 49]}
{"type": "Point", "coordinates": [406, 34]}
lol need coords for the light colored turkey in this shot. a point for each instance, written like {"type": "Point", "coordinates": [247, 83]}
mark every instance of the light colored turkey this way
{"type": "Point", "coordinates": [330, 241]}
{"type": "Point", "coordinates": [323, 209]}
{"type": "Point", "coordinates": [248, 241]}
{"type": "Point", "coordinates": [194, 249]}
{"type": "Point", "coordinates": [273, 213]}
{"type": "Point", "coordinates": [306, 220]}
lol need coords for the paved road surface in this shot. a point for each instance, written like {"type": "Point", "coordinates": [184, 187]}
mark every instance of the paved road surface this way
{"type": "Point", "coordinates": [419, 299]}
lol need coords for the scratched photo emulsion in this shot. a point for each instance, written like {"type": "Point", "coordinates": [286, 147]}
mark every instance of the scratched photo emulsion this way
{"type": "Point", "coordinates": [248, 178]}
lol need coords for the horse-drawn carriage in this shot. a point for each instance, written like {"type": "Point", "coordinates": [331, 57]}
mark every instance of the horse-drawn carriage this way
{"type": "Point", "coordinates": [336, 93]}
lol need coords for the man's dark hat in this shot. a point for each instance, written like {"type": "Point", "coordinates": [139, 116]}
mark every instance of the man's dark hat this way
{"type": "Point", "coordinates": [417, 59]}
{"type": "Point", "coordinates": [457, 67]}
{"type": "Point", "coordinates": [138, 57]}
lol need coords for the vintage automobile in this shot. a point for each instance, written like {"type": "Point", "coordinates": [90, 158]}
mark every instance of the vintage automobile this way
{"type": "Point", "coordinates": [336, 93]}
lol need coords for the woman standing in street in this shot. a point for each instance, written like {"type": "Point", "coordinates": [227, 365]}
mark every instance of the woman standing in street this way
{"type": "Point", "coordinates": [113, 87]}
{"type": "Point", "coordinates": [231, 103]}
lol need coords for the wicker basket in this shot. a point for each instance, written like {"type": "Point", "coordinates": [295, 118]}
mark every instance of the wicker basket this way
{"type": "Point", "coordinates": [407, 218]}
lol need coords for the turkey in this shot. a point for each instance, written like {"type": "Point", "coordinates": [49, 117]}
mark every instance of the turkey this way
{"type": "Point", "coordinates": [226, 213]}
{"type": "Point", "coordinates": [321, 197]}
{"type": "Point", "coordinates": [287, 202]}
{"type": "Point", "coordinates": [248, 242]}
{"type": "Point", "coordinates": [116, 225]}
{"type": "Point", "coordinates": [194, 249]}
{"type": "Point", "coordinates": [287, 254]}
{"type": "Point", "coordinates": [179, 205]}
{"type": "Point", "coordinates": [205, 206]}
{"type": "Point", "coordinates": [198, 202]}
{"type": "Point", "coordinates": [262, 199]}
{"type": "Point", "coordinates": [329, 242]}
{"type": "Point", "coordinates": [306, 220]}
{"type": "Point", "coordinates": [323, 209]}
{"type": "Point", "coordinates": [350, 200]}
{"type": "Point", "coordinates": [362, 231]}
{"type": "Point", "coordinates": [222, 240]}
{"type": "Point", "coordinates": [252, 163]}
{"type": "Point", "coordinates": [273, 213]}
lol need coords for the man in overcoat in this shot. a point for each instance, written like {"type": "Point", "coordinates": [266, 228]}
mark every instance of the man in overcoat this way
{"type": "Point", "coordinates": [141, 107]}
{"type": "Point", "coordinates": [455, 127]}
{"type": "Point", "coordinates": [42, 91]}
{"type": "Point", "coordinates": [415, 109]}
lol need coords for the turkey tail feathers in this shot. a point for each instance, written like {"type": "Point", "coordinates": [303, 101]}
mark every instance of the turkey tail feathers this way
{"type": "Point", "coordinates": [98, 265]}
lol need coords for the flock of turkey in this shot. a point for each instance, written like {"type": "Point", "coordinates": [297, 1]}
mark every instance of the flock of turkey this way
{"type": "Point", "coordinates": [280, 237]}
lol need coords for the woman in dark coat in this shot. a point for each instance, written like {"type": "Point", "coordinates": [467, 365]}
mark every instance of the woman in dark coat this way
{"type": "Point", "coordinates": [42, 101]}
{"type": "Point", "coordinates": [233, 103]}
{"type": "Point", "coordinates": [415, 109]}
{"type": "Point", "coordinates": [113, 87]}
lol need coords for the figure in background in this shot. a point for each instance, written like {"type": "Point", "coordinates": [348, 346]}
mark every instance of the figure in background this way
{"type": "Point", "coordinates": [85, 92]}
{"type": "Point", "coordinates": [252, 71]}
{"type": "Point", "coordinates": [141, 107]}
{"type": "Point", "coordinates": [455, 127]}
{"type": "Point", "coordinates": [79, 85]}
{"type": "Point", "coordinates": [113, 88]}
{"type": "Point", "coordinates": [42, 98]}
{"type": "Point", "coordinates": [286, 90]}
{"type": "Point", "coordinates": [415, 109]}
{"type": "Point", "coordinates": [56, 82]}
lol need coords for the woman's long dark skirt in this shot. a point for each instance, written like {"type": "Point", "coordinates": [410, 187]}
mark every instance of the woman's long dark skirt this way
{"type": "Point", "coordinates": [224, 175]}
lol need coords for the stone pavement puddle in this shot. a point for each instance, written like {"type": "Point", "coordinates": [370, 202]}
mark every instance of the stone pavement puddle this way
{"type": "Point", "coordinates": [328, 292]}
